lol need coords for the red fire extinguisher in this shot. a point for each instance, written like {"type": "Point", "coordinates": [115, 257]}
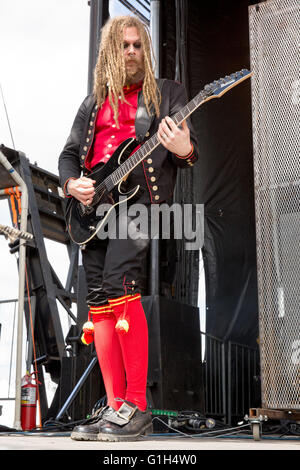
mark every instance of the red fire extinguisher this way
{"type": "Point", "coordinates": [28, 401]}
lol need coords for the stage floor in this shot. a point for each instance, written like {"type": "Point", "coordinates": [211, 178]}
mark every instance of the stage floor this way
{"type": "Point", "coordinates": [62, 441]}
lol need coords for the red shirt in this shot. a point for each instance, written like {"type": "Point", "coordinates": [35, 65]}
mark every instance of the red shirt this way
{"type": "Point", "coordinates": [107, 136]}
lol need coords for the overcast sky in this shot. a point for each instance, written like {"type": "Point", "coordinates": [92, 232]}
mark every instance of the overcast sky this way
{"type": "Point", "coordinates": [43, 74]}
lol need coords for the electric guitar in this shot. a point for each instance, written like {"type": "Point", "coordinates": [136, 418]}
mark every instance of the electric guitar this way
{"type": "Point", "coordinates": [85, 221]}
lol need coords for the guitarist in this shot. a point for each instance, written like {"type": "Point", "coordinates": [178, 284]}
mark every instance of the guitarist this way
{"type": "Point", "coordinates": [127, 101]}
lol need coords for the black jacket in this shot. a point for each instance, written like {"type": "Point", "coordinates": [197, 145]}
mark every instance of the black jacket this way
{"type": "Point", "coordinates": [157, 173]}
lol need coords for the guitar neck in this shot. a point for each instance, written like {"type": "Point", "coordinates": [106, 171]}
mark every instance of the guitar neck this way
{"type": "Point", "coordinates": [215, 89]}
{"type": "Point", "coordinates": [147, 148]}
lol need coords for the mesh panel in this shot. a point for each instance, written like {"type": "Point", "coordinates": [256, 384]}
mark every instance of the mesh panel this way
{"type": "Point", "coordinates": [274, 40]}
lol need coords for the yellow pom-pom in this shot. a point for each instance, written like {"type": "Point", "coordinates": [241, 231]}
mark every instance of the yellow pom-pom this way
{"type": "Point", "coordinates": [88, 327]}
{"type": "Point", "coordinates": [122, 326]}
{"type": "Point", "coordinates": [83, 340]}
{"type": "Point", "coordinates": [88, 333]}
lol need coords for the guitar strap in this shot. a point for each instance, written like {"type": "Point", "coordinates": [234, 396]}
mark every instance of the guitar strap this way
{"type": "Point", "coordinates": [142, 119]}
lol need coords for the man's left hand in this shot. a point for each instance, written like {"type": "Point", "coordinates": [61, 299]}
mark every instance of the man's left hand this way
{"type": "Point", "coordinates": [175, 139]}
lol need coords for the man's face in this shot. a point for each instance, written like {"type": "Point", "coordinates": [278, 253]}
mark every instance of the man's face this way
{"type": "Point", "coordinates": [133, 53]}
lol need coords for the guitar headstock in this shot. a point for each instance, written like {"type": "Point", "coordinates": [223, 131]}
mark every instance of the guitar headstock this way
{"type": "Point", "coordinates": [219, 87]}
{"type": "Point", "coordinates": [213, 90]}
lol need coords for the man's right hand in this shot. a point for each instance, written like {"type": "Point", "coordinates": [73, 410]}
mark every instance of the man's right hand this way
{"type": "Point", "coordinates": [82, 189]}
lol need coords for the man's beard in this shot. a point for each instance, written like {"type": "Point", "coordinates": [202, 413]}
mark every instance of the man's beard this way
{"type": "Point", "coordinates": [134, 75]}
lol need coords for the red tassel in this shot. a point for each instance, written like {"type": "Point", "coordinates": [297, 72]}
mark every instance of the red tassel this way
{"type": "Point", "coordinates": [122, 325]}
{"type": "Point", "coordinates": [88, 333]}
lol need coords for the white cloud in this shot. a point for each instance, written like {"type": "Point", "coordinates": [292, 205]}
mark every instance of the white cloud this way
{"type": "Point", "coordinates": [44, 60]}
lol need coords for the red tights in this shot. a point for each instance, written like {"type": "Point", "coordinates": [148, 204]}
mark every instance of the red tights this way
{"type": "Point", "coordinates": [123, 357]}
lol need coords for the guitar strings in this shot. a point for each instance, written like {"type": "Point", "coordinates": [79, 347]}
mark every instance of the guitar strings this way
{"type": "Point", "coordinates": [135, 157]}
{"type": "Point", "coordinates": [153, 141]}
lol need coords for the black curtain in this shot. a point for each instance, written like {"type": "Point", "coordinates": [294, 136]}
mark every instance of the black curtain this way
{"type": "Point", "coordinates": [202, 42]}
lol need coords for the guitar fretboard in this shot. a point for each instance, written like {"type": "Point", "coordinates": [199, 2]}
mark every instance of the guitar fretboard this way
{"type": "Point", "coordinates": [216, 88]}
{"type": "Point", "coordinates": [147, 148]}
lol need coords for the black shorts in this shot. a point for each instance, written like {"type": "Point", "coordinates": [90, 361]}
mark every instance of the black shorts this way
{"type": "Point", "coordinates": [113, 265]}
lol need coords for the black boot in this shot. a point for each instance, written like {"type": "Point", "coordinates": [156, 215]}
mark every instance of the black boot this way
{"type": "Point", "coordinates": [126, 424]}
{"type": "Point", "coordinates": [89, 430]}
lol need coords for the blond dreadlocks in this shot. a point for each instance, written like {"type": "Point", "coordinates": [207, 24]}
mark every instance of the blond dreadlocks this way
{"type": "Point", "coordinates": [110, 71]}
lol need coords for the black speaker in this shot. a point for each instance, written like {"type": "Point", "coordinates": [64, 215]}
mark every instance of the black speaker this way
{"type": "Point", "coordinates": [174, 369]}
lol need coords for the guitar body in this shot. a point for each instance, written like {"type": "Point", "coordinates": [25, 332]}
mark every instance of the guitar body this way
{"type": "Point", "coordinates": [85, 222]}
